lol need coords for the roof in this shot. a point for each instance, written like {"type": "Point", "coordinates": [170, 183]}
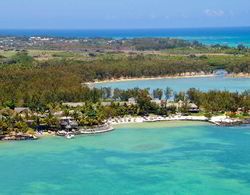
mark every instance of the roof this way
{"type": "Point", "coordinates": [59, 113]}
{"type": "Point", "coordinates": [106, 103]}
{"type": "Point", "coordinates": [131, 99]}
{"type": "Point", "coordinates": [66, 118]}
{"type": "Point", "coordinates": [157, 101]}
{"type": "Point", "coordinates": [21, 109]}
{"type": "Point", "coordinates": [192, 105]}
{"type": "Point", "coordinates": [73, 104]}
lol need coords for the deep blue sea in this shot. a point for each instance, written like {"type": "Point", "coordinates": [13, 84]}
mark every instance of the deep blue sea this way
{"type": "Point", "coordinates": [227, 36]}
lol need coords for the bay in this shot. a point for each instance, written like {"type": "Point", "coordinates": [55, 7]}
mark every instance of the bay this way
{"type": "Point", "coordinates": [148, 158]}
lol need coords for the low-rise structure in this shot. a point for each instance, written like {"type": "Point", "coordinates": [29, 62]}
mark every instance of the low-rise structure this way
{"type": "Point", "coordinates": [132, 101]}
{"type": "Point", "coordinates": [68, 123]}
{"type": "Point", "coordinates": [193, 108]}
{"type": "Point", "coordinates": [74, 104]}
{"type": "Point", "coordinates": [20, 110]}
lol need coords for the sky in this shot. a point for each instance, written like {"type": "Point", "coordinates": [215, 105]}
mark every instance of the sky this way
{"type": "Point", "coordinates": [122, 14]}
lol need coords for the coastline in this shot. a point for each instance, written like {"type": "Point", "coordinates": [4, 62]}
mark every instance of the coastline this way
{"type": "Point", "coordinates": [189, 75]}
{"type": "Point", "coordinates": [239, 75]}
{"type": "Point", "coordinates": [216, 120]}
{"type": "Point", "coordinates": [110, 125]}
{"type": "Point", "coordinates": [124, 79]}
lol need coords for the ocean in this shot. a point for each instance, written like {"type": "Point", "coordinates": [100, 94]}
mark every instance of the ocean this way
{"type": "Point", "coordinates": [148, 158]}
{"type": "Point", "coordinates": [152, 158]}
{"type": "Point", "coordinates": [226, 36]}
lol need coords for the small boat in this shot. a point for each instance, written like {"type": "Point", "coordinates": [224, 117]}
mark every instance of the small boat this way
{"type": "Point", "coordinates": [69, 136]}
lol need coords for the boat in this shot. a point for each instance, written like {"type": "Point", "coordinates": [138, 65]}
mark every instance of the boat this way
{"type": "Point", "coordinates": [69, 136]}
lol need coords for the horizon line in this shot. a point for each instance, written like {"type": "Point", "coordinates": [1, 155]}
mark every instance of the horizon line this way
{"type": "Point", "coordinates": [148, 28]}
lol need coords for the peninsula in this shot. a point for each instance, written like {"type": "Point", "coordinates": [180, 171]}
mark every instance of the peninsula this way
{"type": "Point", "coordinates": [43, 84]}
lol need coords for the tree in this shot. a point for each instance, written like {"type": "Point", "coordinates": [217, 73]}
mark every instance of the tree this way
{"type": "Point", "coordinates": [158, 93]}
{"type": "Point", "coordinates": [181, 96]}
{"type": "Point", "coordinates": [3, 127]}
{"type": "Point", "coordinates": [22, 58]}
{"type": "Point", "coordinates": [51, 121]}
{"type": "Point", "coordinates": [21, 127]}
{"type": "Point", "coordinates": [168, 93]}
{"type": "Point", "coordinates": [241, 47]}
{"type": "Point", "coordinates": [94, 95]}
{"type": "Point", "coordinates": [106, 92]}
{"type": "Point", "coordinates": [194, 96]}
{"type": "Point", "coordinates": [172, 109]}
{"type": "Point", "coordinates": [10, 104]}
{"type": "Point", "coordinates": [143, 101]}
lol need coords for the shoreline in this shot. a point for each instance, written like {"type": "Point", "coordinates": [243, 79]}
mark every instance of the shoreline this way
{"type": "Point", "coordinates": [124, 79]}
{"type": "Point", "coordinates": [216, 120]}
{"type": "Point", "coordinates": [239, 75]}
{"type": "Point", "coordinates": [111, 123]}
{"type": "Point", "coordinates": [189, 75]}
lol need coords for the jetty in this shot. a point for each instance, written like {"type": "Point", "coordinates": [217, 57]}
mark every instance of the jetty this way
{"type": "Point", "coordinates": [87, 130]}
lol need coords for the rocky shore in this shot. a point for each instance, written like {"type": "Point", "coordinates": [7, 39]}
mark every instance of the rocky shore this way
{"type": "Point", "coordinates": [246, 121]}
{"type": "Point", "coordinates": [227, 121]}
{"type": "Point", "coordinates": [17, 137]}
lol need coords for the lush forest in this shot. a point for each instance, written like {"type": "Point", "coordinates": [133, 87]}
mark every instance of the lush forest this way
{"type": "Point", "coordinates": [94, 112]}
{"type": "Point", "coordinates": [25, 81]}
{"type": "Point", "coordinates": [38, 77]}
{"type": "Point", "coordinates": [212, 101]}
{"type": "Point", "coordinates": [43, 85]}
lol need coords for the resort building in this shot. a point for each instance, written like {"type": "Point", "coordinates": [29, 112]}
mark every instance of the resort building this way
{"type": "Point", "coordinates": [68, 123]}
{"type": "Point", "coordinates": [106, 103]}
{"type": "Point", "coordinates": [193, 108]}
{"type": "Point", "coordinates": [74, 104]}
{"type": "Point", "coordinates": [20, 110]}
{"type": "Point", "coordinates": [23, 111]}
{"type": "Point", "coordinates": [132, 101]}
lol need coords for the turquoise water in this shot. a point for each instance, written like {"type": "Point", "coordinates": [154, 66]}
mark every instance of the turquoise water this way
{"type": "Point", "coordinates": [157, 158]}
{"type": "Point", "coordinates": [227, 36]}
{"type": "Point", "coordinates": [183, 84]}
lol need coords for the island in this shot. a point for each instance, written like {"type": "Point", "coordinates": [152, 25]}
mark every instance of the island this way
{"type": "Point", "coordinates": [46, 84]}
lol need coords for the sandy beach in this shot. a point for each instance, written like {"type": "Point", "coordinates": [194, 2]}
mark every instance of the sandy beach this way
{"type": "Point", "coordinates": [124, 79]}
{"type": "Point", "coordinates": [239, 75]}
{"type": "Point", "coordinates": [217, 120]}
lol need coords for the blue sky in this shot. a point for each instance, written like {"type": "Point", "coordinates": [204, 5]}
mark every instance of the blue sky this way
{"type": "Point", "coordinates": [103, 14]}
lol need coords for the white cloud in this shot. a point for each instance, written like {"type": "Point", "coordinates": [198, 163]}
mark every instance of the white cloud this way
{"type": "Point", "coordinates": [214, 13]}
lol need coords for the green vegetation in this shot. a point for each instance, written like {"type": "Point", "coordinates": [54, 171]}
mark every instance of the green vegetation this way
{"type": "Point", "coordinates": [120, 104]}
{"type": "Point", "coordinates": [28, 82]}
{"type": "Point", "coordinates": [43, 79]}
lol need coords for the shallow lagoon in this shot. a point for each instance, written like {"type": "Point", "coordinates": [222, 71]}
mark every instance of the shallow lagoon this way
{"type": "Point", "coordinates": [148, 158]}
{"type": "Point", "coordinates": [183, 84]}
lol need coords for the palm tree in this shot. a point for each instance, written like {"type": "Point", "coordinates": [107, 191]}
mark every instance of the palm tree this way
{"type": "Point", "coordinates": [3, 127]}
